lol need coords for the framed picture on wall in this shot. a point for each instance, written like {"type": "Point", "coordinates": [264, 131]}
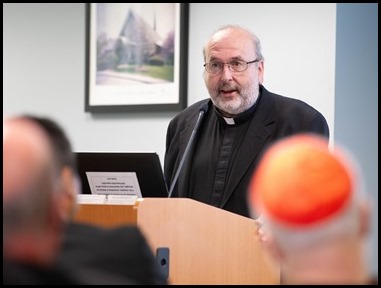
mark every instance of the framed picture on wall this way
{"type": "Point", "coordinates": [136, 57]}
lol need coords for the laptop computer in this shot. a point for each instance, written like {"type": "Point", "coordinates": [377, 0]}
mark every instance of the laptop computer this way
{"type": "Point", "coordinates": [146, 165]}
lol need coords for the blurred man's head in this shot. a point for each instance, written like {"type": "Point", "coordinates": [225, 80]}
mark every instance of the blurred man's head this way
{"type": "Point", "coordinates": [65, 163]}
{"type": "Point", "coordinates": [35, 188]}
{"type": "Point", "coordinates": [309, 196]}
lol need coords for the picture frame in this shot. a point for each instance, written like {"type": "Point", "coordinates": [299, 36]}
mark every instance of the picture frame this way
{"type": "Point", "coordinates": [136, 57]}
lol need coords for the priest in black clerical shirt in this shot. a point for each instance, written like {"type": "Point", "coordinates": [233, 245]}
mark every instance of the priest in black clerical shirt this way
{"type": "Point", "coordinates": [226, 150]}
{"type": "Point", "coordinates": [242, 120]}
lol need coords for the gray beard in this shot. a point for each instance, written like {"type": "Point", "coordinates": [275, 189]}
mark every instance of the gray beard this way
{"type": "Point", "coordinates": [248, 98]}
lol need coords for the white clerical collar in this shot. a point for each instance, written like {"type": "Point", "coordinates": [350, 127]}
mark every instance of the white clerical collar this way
{"type": "Point", "coordinates": [229, 121]}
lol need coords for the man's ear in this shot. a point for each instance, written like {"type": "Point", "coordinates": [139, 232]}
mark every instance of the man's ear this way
{"type": "Point", "coordinates": [68, 201]}
{"type": "Point", "coordinates": [261, 71]}
{"type": "Point", "coordinates": [365, 216]}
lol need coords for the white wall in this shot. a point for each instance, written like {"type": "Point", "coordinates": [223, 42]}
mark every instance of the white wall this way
{"type": "Point", "coordinates": [298, 42]}
{"type": "Point", "coordinates": [44, 73]}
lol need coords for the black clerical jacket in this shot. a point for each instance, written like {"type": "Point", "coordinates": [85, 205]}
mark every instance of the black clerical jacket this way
{"type": "Point", "coordinates": [276, 117]}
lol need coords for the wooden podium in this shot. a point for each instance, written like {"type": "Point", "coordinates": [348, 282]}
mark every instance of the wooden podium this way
{"type": "Point", "coordinates": [207, 245]}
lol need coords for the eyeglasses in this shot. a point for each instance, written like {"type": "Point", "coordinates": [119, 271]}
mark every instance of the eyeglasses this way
{"type": "Point", "coordinates": [216, 67]}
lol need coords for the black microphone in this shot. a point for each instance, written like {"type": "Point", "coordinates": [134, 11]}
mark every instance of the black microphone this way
{"type": "Point", "coordinates": [203, 110]}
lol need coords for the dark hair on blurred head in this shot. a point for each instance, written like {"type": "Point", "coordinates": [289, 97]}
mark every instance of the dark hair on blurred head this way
{"type": "Point", "coordinates": [60, 142]}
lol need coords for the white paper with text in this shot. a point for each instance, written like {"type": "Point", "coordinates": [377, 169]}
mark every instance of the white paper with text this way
{"type": "Point", "coordinates": [114, 183]}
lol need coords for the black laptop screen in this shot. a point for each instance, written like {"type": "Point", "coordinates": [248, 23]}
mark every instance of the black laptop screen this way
{"type": "Point", "coordinates": [146, 165]}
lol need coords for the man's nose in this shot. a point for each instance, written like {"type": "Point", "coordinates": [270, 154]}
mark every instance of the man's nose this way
{"type": "Point", "coordinates": [226, 73]}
